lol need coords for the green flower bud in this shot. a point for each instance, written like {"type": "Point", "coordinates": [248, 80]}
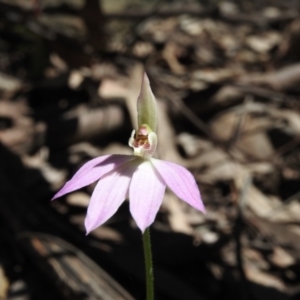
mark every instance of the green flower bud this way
{"type": "Point", "coordinates": [146, 106]}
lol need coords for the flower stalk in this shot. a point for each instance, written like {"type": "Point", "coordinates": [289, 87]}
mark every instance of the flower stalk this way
{"type": "Point", "coordinates": [148, 265]}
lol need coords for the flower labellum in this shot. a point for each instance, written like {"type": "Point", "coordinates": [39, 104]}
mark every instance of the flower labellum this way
{"type": "Point", "coordinates": [139, 177]}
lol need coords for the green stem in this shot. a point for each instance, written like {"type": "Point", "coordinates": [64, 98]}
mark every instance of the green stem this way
{"type": "Point", "coordinates": [148, 264]}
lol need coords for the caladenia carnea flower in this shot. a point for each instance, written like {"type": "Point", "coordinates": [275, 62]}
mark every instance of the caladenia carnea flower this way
{"type": "Point", "coordinates": [139, 177]}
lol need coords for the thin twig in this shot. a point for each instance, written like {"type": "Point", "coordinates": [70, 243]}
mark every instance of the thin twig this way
{"type": "Point", "coordinates": [245, 288]}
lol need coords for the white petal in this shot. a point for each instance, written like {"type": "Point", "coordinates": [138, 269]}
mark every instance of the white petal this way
{"type": "Point", "coordinates": [145, 194]}
{"type": "Point", "coordinates": [91, 171]}
{"type": "Point", "coordinates": [180, 181]}
{"type": "Point", "coordinates": [108, 195]}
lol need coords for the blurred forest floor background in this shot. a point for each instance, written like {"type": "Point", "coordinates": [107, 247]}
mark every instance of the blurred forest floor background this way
{"type": "Point", "coordinates": [226, 75]}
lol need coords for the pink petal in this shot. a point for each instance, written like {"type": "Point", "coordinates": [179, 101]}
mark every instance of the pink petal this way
{"type": "Point", "coordinates": [145, 194]}
{"type": "Point", "coordinates": [108, 195]}
{"type": "Point", "coordinates": [180, 181]}
{"type": "Point", "coordinates": [92, 171]}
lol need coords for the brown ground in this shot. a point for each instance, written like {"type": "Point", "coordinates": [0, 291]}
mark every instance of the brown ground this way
{"type": "Point", "coordinates": [227, 78]}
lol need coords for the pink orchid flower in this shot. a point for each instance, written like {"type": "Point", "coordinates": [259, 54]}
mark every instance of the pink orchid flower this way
{"type": "Point", "coordinates": [139, 177]}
